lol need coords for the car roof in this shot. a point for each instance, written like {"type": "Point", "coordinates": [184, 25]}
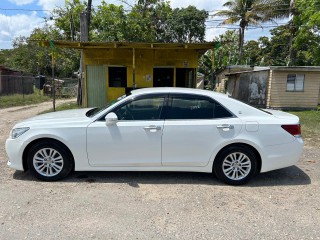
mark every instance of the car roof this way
{"type": "Point", "coordinates": [177, 90]}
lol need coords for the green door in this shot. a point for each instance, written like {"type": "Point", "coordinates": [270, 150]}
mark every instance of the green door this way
{"type": "Point", "coordinates": [96, 85]}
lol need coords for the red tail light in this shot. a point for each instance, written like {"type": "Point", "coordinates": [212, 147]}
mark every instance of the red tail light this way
{"type": "Point", "coordinates": [292, 129]}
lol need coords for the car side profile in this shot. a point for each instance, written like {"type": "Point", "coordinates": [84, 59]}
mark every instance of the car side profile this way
{"type": "Point", "coordinates": [158, 129]}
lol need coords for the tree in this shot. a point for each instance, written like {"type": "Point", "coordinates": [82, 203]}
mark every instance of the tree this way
{"type": "Point", "coordinates": [67, 19]}
{"type": "Point", "coordinates": [109, 23]}
{"type": "Point", "coordinates": [252, 12]}
{"type": "Point", "coordinates": [306, 22]}
{"type": "Point", "coordinates": [187, 24]}
{"type": "Point", "coordinates": [224, 55]}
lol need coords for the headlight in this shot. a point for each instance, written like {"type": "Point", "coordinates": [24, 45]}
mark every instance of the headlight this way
{"type": "Point", "coordinates": [17, 132]}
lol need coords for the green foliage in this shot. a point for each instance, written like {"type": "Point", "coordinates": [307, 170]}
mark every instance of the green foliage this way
{"type": "Point", "coordinates": [109, 23]}
{"type": "Point", "coordinates": [187, 24]}
{"type": "Point", "coordinates": [306, 22]}
{"type": "Point", "coordinates": [252, 12]}
{"type": "Point", "coordinates": [310, 124]}
{"type": "Point", "coordinates": [67, 19]}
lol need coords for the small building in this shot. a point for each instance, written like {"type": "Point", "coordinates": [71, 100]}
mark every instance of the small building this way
{"type": "Point", "coordinates": [277, 87]}
{"type": "Point", "coordinates": [112, 69]}
{"type": "Point", "coordinates": [221, 77]}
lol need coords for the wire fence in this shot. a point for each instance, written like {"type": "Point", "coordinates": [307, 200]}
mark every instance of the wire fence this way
{"type": "Point", "coordinates": [23, 85]}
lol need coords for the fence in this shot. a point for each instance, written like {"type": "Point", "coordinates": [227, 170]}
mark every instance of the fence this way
{"type": "Point", "coordinates": [21, 84]}
{"type": "Point", "coordinates": [64, 87]}
{"type": "Point", "coordinates": [16, 84]}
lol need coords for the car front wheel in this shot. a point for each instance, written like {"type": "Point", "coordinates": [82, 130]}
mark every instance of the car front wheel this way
{"type": "Point", "coordinates": [49, 161]}
{"type": "Point", "coordinates": [235, 165]}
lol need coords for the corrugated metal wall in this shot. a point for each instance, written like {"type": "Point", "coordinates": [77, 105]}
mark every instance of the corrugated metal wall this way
{"type": "Point", "coordinates": [96, 80]}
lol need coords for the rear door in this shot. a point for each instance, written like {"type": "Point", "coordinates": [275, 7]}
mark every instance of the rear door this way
{"type": "Point", "coordinates": [194, 126]}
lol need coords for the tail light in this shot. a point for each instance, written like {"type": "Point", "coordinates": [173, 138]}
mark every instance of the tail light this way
{"type": "Point", "coordinates": [294, 130]}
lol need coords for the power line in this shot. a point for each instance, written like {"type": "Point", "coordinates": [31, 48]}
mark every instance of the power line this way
{"type": "Point", "coordinates": [25, 9]}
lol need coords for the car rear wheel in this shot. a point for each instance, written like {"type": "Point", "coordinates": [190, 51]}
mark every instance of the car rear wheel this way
{"type": "Point", "coordinates": [49, 161]}
{"type": "Point", "coordinates": [235, 165]}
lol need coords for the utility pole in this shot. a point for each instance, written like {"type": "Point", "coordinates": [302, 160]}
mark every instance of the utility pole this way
{"type": "Point", "coordinates": [85, 18]}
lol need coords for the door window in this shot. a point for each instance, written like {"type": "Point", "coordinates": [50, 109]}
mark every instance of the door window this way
{"type": "Point", "coordinates": [196, 108]}
{"type": "Point", "coordinates": [141, 109]}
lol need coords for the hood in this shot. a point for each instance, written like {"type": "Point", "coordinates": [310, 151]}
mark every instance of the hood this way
{"type": "Point", "coordinates": [74, 115]}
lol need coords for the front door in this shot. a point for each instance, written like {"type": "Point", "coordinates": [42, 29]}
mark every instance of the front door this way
{"type": "Point", "coordinates": [135, 140]}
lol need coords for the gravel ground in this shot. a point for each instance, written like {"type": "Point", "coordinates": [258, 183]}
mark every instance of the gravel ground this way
{"type": "Point", "coordinates": [282, 204]}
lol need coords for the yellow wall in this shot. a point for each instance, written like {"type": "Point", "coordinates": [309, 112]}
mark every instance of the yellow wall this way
{"type": "Point", "coordinates": [278, 97]}
{"type": "Point", "coordinates": [145, 60]}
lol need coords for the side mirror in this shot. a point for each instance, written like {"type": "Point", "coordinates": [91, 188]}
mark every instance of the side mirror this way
{"type": "Point", "coordinates": [111, 118]}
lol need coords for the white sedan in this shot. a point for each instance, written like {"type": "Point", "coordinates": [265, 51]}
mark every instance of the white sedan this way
{"type": "Point", "coordinates": [158, 129]}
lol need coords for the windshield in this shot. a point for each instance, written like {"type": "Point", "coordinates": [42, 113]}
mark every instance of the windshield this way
{"type": "Point", "coordinates": [94, 111]}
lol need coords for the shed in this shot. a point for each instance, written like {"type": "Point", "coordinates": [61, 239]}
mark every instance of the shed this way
{"type": "Point", "coordinates": [277, 87]}
{"type": "Point", "coordinates": [112, 69]}
{"type": "Point", "coordinates": [15, 82]}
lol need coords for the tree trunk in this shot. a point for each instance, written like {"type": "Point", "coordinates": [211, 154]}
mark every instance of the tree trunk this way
{"type": "Point", "coordinates": [241, 41]}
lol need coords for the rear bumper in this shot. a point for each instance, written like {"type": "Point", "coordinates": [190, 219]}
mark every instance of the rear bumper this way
{"type": "Point", "coordinates": [281, 156]}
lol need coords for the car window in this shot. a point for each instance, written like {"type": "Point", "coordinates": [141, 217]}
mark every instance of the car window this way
{"type": "Point", "coordinates": [196, 108]}
{"type": "Point", "coordinates": [141, 109]}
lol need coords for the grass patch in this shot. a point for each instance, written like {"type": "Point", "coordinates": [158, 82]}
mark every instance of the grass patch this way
{"type": "Point", "coordinates": [20, 100]}
{"type": "Point", "coordinates": [310, 123]}
{"type": "Point", "coordinates": [64, 106]}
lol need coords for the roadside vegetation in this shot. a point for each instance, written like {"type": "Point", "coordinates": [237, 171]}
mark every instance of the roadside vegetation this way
{"type": "Point", "coordinates": [22, 100]}
{"type": "Point", "coordinates": [310, 124]}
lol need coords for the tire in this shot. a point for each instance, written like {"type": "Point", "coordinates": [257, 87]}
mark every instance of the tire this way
{"type": "Point", "coordinates": [235, 165]}
{"type": "Point", "coordinates": [49, 161]}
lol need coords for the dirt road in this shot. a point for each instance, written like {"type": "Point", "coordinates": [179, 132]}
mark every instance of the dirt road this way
{"type": "Point", "coordinates": [283, 204]}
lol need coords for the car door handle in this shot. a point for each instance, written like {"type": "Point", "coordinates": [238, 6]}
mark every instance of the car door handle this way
{"type": "Point", "coordinates": [225, 126]}
{"type": "Point", "coordinates": [152, 127]}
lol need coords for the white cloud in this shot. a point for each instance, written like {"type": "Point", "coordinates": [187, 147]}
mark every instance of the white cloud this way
{"type": "Point", "coordinates": [208, 5]}
{"type": "Point", "coordinates": [17, 25]}
{"type": "Point", "coordinates": [21, 2]}
{"type": "Point", "coordinates": [50, 4]}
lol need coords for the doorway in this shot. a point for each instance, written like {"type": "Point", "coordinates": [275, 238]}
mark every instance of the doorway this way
{"type": "Point", "coordinates": [185, 77]}
{"type": "Point", "coordinates": [163, 77]}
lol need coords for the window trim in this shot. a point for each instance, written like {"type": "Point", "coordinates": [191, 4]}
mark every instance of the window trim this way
{"type": "Point", "coordinates": [295, 82]}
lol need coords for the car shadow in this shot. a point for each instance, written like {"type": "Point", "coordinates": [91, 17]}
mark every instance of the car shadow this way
{"type": "Point", "coordinates": [287, 176]}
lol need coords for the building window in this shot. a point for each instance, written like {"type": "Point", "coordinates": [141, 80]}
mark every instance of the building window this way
{"type": "Point", "coordinates": [295, 82]}
{"type": "Point", "coordinates": [117, 77]}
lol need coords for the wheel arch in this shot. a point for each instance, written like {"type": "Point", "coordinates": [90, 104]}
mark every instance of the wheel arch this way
{"type": "Point", "coordinates": [239, 144]}
{"type": "Point", "coordinates": [35, 141]}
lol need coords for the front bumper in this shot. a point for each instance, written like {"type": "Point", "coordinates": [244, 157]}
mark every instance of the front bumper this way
{"type": "Point", "coordinates": [14, 149]}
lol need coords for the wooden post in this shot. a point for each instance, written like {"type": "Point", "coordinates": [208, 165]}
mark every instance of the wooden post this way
{"type": "Point", "coordinates": [53, 84]}
{"type": "Point", "coordinates": [84, 33]}
{"type": "Point", "coordinates": [212, 67]}
{"type": "Point", "coordinates": [134, 68]}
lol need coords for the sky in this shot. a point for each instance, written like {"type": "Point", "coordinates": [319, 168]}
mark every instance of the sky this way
{"type": "Point", "coordinates": [17, 17]}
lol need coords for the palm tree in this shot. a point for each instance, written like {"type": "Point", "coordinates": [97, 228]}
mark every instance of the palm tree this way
{"type": "Point", "coordinates": [253, 12]}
